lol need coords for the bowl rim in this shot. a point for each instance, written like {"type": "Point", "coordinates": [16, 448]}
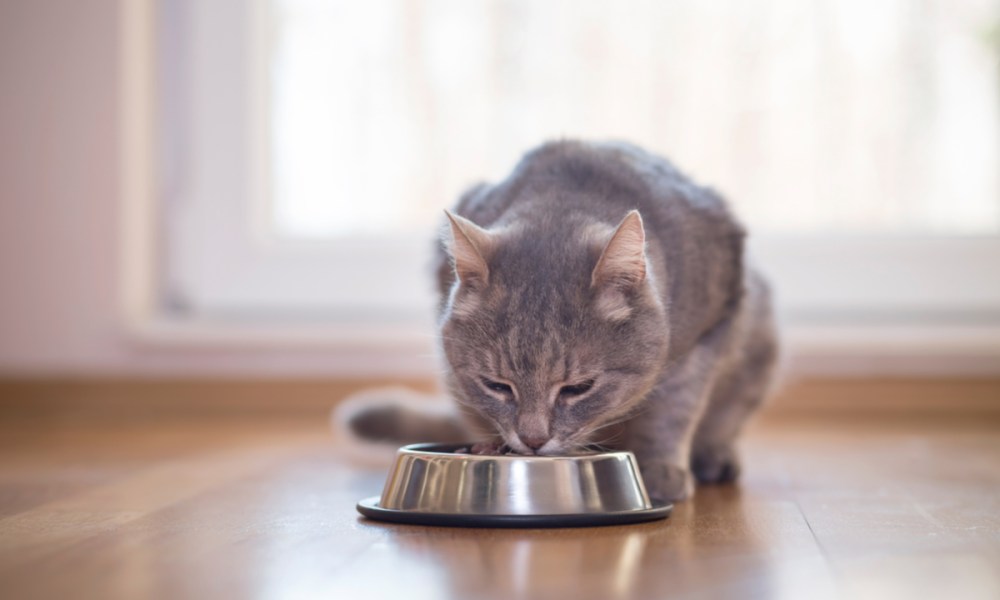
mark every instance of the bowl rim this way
{"type": "Point", "coordinates": [436, 449]}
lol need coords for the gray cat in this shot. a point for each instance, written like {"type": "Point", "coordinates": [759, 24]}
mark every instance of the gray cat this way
{"type": "Point", "coordinates": [598, 296]}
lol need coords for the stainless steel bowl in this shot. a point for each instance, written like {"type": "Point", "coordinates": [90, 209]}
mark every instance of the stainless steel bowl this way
{"type": "Point", "coordinates": [431, 484]}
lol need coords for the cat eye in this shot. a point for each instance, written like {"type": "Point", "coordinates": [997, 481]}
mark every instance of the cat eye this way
{"type": "Point", "coordinates": [578, 389]}
{"type": "Point", "coordinates": [498, 387]}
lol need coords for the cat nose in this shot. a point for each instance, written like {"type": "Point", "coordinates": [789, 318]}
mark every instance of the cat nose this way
{"type": "Point", "coordinates": [534, 442]}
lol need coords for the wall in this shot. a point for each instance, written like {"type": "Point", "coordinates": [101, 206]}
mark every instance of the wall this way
{"type": "Point", "coordinates": [61, 223]}
{"type": "Point", "coordinates": [58, 184]}
{"type": "Point", "coordinates": [60, 270]}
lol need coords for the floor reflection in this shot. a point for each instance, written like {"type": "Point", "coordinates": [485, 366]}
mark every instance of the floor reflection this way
{"type": "Point", "coordinates": [585, 563]}
{"type": "Point", "coordinates": [715, 544]}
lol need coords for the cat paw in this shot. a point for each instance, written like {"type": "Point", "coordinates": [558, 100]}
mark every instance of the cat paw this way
{"type": "Point", "coordinates": [717, 464]}
{"type": "Point", "coordinates": [667, 482]}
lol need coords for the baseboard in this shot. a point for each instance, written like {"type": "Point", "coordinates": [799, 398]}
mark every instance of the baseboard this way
{"type": "Point", "coordinates": [67, 399]}
{"type": "Point", "coordinates": [71, 399]}
{"type": "Point", "coordinates": [889, 395]}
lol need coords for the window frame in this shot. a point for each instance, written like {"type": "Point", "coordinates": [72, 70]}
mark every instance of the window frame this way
{"type": "Point", "coordinates": [838, 294]}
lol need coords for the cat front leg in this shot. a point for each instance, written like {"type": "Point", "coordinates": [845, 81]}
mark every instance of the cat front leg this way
{"type": "Point", "coordinates": [740, 390]}
{"type": "Point", "coordinates": [661, 442]}
{"type": "Point", "coordinates": [661, 434]}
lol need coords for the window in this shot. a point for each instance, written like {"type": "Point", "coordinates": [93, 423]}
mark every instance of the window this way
{"type": "Point", "coordinates": [816, 117]}
{"type": "Point", "coordinates": [308, 146]}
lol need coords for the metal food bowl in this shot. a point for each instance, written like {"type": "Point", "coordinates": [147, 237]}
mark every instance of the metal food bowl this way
{"type": "Point", "coordinates": [431, 484]}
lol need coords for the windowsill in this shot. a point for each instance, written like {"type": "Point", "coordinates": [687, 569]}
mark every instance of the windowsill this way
{"type": "Point", "coordinates": [904, 349]}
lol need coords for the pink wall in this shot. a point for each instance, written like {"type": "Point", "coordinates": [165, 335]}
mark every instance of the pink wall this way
{"type": "Point", "coordinates": [60, 306]}
{"type": "Point", "coordinates": [58, 184]}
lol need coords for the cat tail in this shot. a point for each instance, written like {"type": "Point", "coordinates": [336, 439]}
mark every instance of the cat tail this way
{"type": "Point", "coordinates": [370, 425]}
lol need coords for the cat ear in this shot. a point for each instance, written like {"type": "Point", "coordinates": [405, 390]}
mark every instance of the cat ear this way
{"type": "Point", "coordinates": [468, 247]}
{"type": "Point", "coordinates": [623, 261]}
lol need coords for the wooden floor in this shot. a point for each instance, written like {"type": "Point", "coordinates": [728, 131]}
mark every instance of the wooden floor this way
{"type": "Point", "coordinates": [832, 506]}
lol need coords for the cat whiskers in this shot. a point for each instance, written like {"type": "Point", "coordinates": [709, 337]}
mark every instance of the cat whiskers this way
{"type": "Point", "coordinates": [468, 409]}
{"type": "Point", "coordinates": [580, 439]}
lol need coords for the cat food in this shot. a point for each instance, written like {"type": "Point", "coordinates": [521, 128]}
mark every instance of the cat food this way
{"type": "Point", "coordinates": [485, 449]}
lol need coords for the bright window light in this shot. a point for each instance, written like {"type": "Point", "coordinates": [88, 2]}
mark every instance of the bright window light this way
{"type": "Point", "coordinates": [829, 116]}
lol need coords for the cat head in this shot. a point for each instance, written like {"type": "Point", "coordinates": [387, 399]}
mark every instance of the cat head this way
{"type": "Point", "coordinates": [552, 331]}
